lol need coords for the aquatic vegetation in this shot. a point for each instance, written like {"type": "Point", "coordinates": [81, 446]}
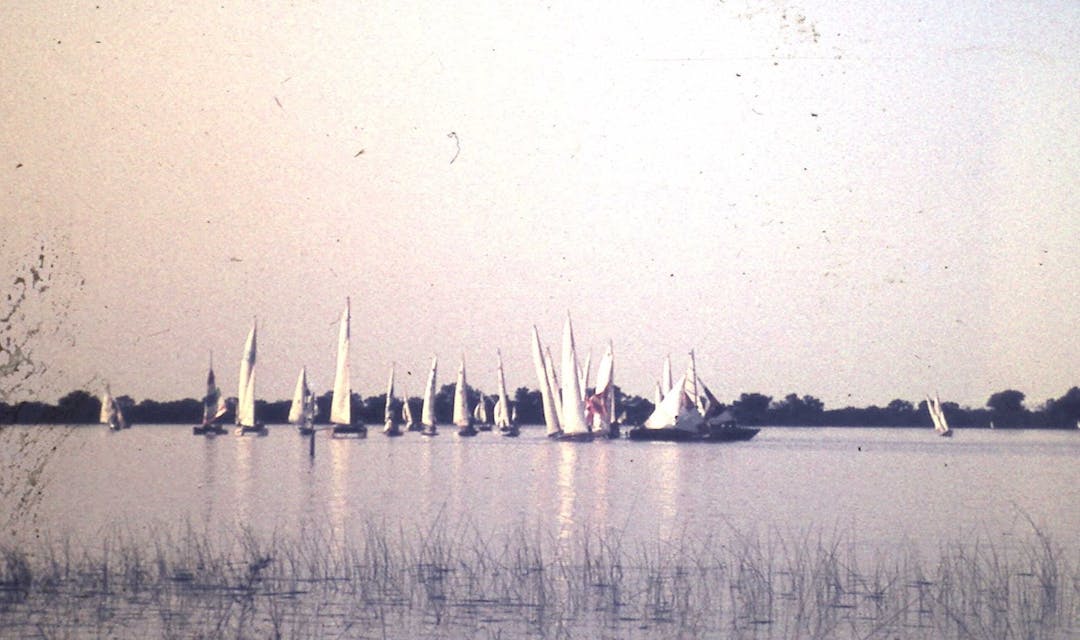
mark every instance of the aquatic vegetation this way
{"type": "Point", "coordinates": [454, 580]}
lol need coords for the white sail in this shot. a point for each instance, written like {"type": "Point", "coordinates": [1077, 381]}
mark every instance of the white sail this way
{"type": "Point", "coordinates": [245, 397]}
{"type": "Point", "coordinates": [573, 409]}
{"type": "Point", "coordinates": [427, 412]}
{"type": "Point", "coordinates": [601, 405]}
{"type": "Point", "coordinates": [108, 407]}
{"type": "Point", "coordinates": [941, 425]}
{"type": "Point", "coordinates": [502, 405]}
{"type": "Point", "coordinates": [388, 414]}
{"type": "Point", "coordinates": [556, 389]}
{"type": "Point", "coordinates": [341, 402]}
{"type": "Point", "coordinates": [551, 418]}
{"type": "Point", "coordinates": [675, 411]}
{"type": "Point", "coordinates": [692, 390]}
{"type": "Point", "coordinates": [462, 418]}
{"type": "Point", "coordinates": [481, 412]}
{"type": "Point", "coordinates": [300, 394]}
{"type": "Point", "coordinates": [406, 412]}
{"type": "Point", "coordinates": [213, 402]}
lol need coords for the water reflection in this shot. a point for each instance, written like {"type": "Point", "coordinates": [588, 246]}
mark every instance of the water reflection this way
{"type": "Point", "coordinates": [244, 477]}
{"type": "Point", "coordinates": [565, 487]}
{"type": "Point", "coordinates": [664, 481]}
{"type": "Point", "coordinates": [339, 481]}
{"type": "Point", "coordinates": [209, 477]}
{"type": "Point", "coordinates": [600, 495]}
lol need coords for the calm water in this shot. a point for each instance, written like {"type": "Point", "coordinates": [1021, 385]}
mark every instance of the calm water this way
{"type": "Point", "coordinates": [883, 487]}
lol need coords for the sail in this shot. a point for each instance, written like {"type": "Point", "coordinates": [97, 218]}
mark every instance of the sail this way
{"type": "Point", "coordinates": [245, 403]}
{"type": "Point", "coordinates": [300, 394]}
{"type": "Point", "coordinates": [213, 403]}
{"type": "Point", "coordinates": [341, 403]}
{"type": "Point", "coordinates": [461, 402]}
{"type": "Point", "coordinates": [941, 425]}
{"type": "Point", "coordinates": [388, 413]}
{"type": "Point", "coordinates": [573, 409]}
{"type": "Point", "coordinates": [600, 407]}
{"type": "Point", "coordinates": [551, 419]}
{"type": "Point", "coordinates": [481, 412]}
{"type": "Point", "coordinates": [406, 412]}
{"type": "Point", "coordinates": [556, 389]}
{"type": "Point", "coordinates": [427, 413]}
{"type": "Point", "coordinates": [502, 405]}
{"type": "Point", "coordinates": [692, 384]}
{"type": "Point", "coordinates": [108, 407]}
{"type": "Point", "coordinates": [675, 411]}
{"type": "Point", "coordinates": [583, 375]}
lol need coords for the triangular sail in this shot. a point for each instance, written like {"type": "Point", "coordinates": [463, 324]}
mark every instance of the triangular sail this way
{"type": "Point", "coordinates": [108, 407]}
{"type": "Point", "coordinates": [675, 411]}
{"type": "Point", "coordinates": [427, 412]}
{"type": "Point", "coordinates": [245, 402]}
{"type": "Point", "coordinates": [600, 407]}
{"type": "Point", "coordinates": [583, 375]}
{"type": "Point", "coordinates": [213, 403]}
{"type": "Point", "coordinates": [573, 409]}
{"type": "Point", "coordinates": [388, 411]}
{"type": "Point", "coordinates": [462, 418]}
{"type": "Point", "coordinates": [502, 405]}
{"type": "Point", "coordinates": [556, 389]}
{"type": "Point", "coordinates": [665, 377]}
{"type": "Point", "coordinates": [406, 412]}
{"type": "Point", "coordinates": [296, 409]}
{"type": "Point", "coordinates": [551, 418]}
{"type": "Point", "coordinates": [341, 402]}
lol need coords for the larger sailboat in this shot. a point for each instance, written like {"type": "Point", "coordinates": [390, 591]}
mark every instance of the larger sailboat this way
{"type": "Point", "coordinates": [302, 410]}
{"type": "Point", "coordinates": [547, 394]}
{"type": "Point", "coordinates": [245, 397]}
{"type": "Point", "coordinates": [600, 406]}
{"type": "Point", "coordinates": [574, 427]}
{"type": "Point", "coordinates": [341, 401]}
{"type": "Point", "coordinates": [427, 412]}
{"type": "Point", "coordinates": [214, 407]}
{"type": "Point", "coordinates": [504, 414]}
{"type": "Point", "coordinates": [462, 418]}
{"type": "Point", "coordinates": [111, 413]}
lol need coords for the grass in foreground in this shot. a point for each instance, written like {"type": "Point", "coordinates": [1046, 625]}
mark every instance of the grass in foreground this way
{"type": "Point", "coordinates": [456, 581]}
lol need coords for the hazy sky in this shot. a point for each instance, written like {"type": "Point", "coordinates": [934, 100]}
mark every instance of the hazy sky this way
{"type": "Point", "coordinates": [859, 201]}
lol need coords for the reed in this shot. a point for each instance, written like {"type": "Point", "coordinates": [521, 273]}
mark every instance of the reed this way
{"type": "Point", "coordinates": [454, 579]}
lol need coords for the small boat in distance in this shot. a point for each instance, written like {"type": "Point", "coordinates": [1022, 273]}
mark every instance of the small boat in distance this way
{"type": "Point", "coordinates": [111, 414]}
{"type": "Point", "coordinates": [504, 415]}
{"type": "Point", "coordinates": [937, 416]}
{"type": "Point", "coordinates": [481, 418]}
{"type": "Point", "coordinates": [341, 401]}
{"type": "Point", "coordinates": [214, 407]}
{"type": "Point", "coordinates": [391, 426]}
{"type": "Point", "coordinates": [427, 411]}
{"type": "Point", "coordinates": [245, 403]}
{"type": "Point", "coordinates": [302, 411]}
{"type": "Point", "coordinates": [408, 418]}
{"type": "Point", "coordinates": [462, 417]}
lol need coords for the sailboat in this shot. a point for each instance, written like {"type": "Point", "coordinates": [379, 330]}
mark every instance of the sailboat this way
{"type": "Point", "coordinates": [303, 408]}
{"type": "Point", "coordinates": [391, 426]}
{"type": "Point", "coordinates": [341, 401]}
{"type": "Point", "coordinates": [111, 414]}
{"type": "Point", "coordinates": [480, 415]}
{"type": "Point", "coordinates": [937, 416]}
{"type": "Point", "coordinates": [245, 402]}
{"type": "Point", "coordinates": [427, 411]}
{"type": "Point", "coordinates": [574, 427]}
{"type": "Point", "coordinates": [600, 406]}
{"type": "Point", "coordinates": [504, 416]}
{"type": "Point", "coordinates": [408, 419]}
{"type": "Point", "coordinates": [462, 417]}
{"type": "Point", "coordinates": [214, 407]}
{"type": "Point", "coordinates": [551, 417]}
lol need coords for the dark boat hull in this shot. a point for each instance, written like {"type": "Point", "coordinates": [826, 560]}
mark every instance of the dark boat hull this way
{"type": "Point", "coordinates": [716, 434]}
{"type": "Point", "coordinates": [349, 430]}
{"type": "Point", "coordinates": [208, 430]}
{"type": "Point", "coordinates": [467, 431]}
{"type": "Point", "coordinates": [257, 430]}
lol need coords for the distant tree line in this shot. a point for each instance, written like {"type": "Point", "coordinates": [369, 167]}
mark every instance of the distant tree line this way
{"type": "Point", "coordinates": [1004, 409]}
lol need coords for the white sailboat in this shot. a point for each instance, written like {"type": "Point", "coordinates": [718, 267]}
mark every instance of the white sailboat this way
{"type": "Point", "coordinates": [503, 413]}
{"type": "Point", "coordinates": [111, 414]}
{"type": "Point", "coordinates": [551, 418]}
{"type": "Point", "coordinates": [480, 415]}
{"type": "Point", "coordinates": [302, 409]}
{"type": "Point", "coordinates": [427, 411]}
{"type": "Point", "coordinates": [341, 401]}
{"type": "Point", "coordinates": [214, 406]}
{"type": "Point", "coordinates": [245, 397]}
{"type": "Point", "coordinates": [391, 426]}
{"type": "Point", "coordinates": [573, 409]}
{"type": "Point", "coordinates": [408, 419]}
{"type": "Point", "coordinates": [600, 406]}
{"type": "Point", "coordinates": [462, 417]}
{"type": "Point", "coordinates": [937, 416]}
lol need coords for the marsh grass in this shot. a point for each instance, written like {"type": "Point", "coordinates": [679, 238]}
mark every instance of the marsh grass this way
{"type": "Point", "coordinates": [456, 580]}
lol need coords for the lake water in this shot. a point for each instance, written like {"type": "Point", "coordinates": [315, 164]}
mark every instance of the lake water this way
{"type": "Point", "coordinates": [800, 532]}
{"type": "Point", "coordinates": [882, 487]}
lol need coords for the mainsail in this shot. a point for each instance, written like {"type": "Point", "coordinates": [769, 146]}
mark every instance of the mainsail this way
{"type": "Point", "coordinates": [462, 418]}
{"type": "Point", "coordinates": [551, 418]}
{"type": "Point", "coordinates": [573, 409]}
{"type": "Point", "coordinates": [502, 405]}
{"type": "Point", "coordinates": [245, 403]}
{"type": "Point", "coordinates": [302, 410]}
{"type": "Point", "coordinates": [427, 412]}
{"type": "Point", "coordinates": [341, 402]}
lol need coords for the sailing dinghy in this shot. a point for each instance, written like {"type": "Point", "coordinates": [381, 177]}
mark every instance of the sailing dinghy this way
{"type": "Point", "coordinates": [111, 414]}
{"type": "Point", "coordinates": [937, 416]}
{"type": "Point", "coordinates": [427, 412]}
{"type": "Point", "coordinates": [462, 417]}
{"type": "Point", "coordinates": [245, 398]}
{"type": "Point", "coordinates": [341, 401]}
{"type": "Point", "coordinates": [214, 407]}
{"type": "Point", "coordinates": [391, 426]}
{"type": "Point", "coordinates": [302, 410]}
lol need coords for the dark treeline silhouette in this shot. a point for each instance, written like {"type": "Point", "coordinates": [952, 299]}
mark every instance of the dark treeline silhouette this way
{"type": "Point", "coordinates": [1004, 409]}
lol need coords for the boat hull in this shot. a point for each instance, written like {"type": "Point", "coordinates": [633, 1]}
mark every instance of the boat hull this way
{"type": "Point", "coordinates": [719, 434]}
{"type": "Point", "coordinates": [208, 430]}
{"type": "Point", "coordinates": [257, 430]}
{"type": "Point", "coordinates": [588, 436]}
{"type": "Point", "coordinates": [349, 430]}
{"type": "Point", "coordinates": [467, 431]}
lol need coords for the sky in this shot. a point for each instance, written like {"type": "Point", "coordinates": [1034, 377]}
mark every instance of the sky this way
{"type": "Point", "coordinates": [857, 201]}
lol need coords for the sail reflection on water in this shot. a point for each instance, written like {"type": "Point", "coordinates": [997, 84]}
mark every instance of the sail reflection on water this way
{"type": "Point", "coordinates": [339, 484]}
{"type": "Point", "coordinates": [567, 472]}
{"type": "Point", "coordinates": [665, 480]}
{"type": "Point", "coordinates": [245, 480]}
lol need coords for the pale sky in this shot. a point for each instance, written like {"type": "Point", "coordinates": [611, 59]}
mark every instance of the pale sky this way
{"type": "Point", "coordinates": [858, 201]}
